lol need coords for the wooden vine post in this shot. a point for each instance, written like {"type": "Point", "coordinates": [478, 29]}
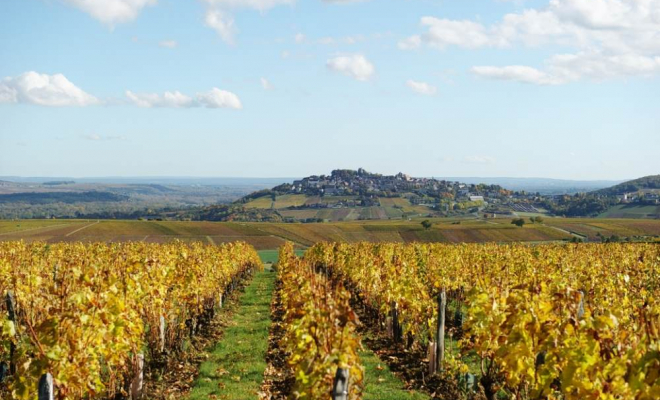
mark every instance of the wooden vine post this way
{"type": "Point", "coordinates": [440, 335]}
{"type": "Point", "coordinates": [430, 354]}
{"type": "Point", "coordinates": [11, 311]}
{"type": "Point", "coordinates": [161, 332]}
{"type": "Point", "coordinates": [580, 311]}
{"type": "Point", "coordinates": [46, 387]}
{"type": "Point", "coordinates": [138, 377]}
{"type": "Point", "coordinates": [340, 385]}
{"type": "Point", "coordinates": [397, 331]}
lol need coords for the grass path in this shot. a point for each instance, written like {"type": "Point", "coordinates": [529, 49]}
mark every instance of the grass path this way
{"type": "Point", "coordinates": [381, 384]}
{"type": "Point", "coordinates": [235, 367]}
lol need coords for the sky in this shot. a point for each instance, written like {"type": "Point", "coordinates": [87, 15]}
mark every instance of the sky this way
{"type": "Point", "coordinates": [278, 88]}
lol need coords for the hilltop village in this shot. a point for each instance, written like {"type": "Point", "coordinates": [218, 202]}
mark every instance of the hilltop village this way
{"type": "Point", "coordinates": [365, 184]}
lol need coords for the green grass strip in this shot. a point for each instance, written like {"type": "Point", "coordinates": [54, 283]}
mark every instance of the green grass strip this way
{"type": "Point", "coordinates": [381, 384]}
{"type": "Point", "coordinates": [270, 256]}
{"type": "Point", "coordinates": [235, 367]}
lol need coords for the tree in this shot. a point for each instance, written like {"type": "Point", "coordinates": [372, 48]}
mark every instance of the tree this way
{"type": "Point", "coordinates": [518, 222]}
{"type": "Point", "coordinates": [427, 224]}
{"type": "Point", "coordinates": [538, 219]}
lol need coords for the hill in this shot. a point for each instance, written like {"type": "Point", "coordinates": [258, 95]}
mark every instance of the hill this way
{"type": "Point", "coordinates": [346, 195]}
{"type": "Point", "coordinates": [638, 198]}
{"type": "Point", "coordinates": [644, 185]}
{"type": "Point", "coordinates": [543, 186]}
{"type": "Point", "coordinates": [61, 198]}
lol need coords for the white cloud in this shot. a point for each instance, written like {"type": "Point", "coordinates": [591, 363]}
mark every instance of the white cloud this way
{"type": "Point", "coordinates": [443, 32]}
{"type": "Point", "coordinates": [518, 73]}
{"type": "Point", "coordinates": [299, 38]}
{"type": "Point", "coordinates": [412, 42]}
{"type": "Point", "coordinates": [422, 87]}
{"type": "Point", "coordinates": [111, 12]}
{"type": "Point", "coordinates": [599, 66]}
{"type": "Point", "coordinates": [93, 136]}
{"type": "Point", "coordinates": [168, 43]}
{"type": "Point", "coordinates": [215, 98]}
{"type": "Point", "coordinates": [221, 23]}
{"type": "Point", "coordinates": [265, 83]}
{"type": "Point", "coordinates": [219, 14]}
{"type": "Point", "coordinates": [611, 38]}
{"type": "Point", "coordinates": [44, 90]}
{"type": "Point", "coordinates": [356, 66]}
{"type": "Point", "coordinates": [174, 99]}
{"type": "Point", "coordinates": [565, 68]}
{"type": "Point", "coordinates": [349, 40]}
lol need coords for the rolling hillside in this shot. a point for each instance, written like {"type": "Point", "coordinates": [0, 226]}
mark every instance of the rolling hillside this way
{"type": "Point", "coordinates": [646, 184]}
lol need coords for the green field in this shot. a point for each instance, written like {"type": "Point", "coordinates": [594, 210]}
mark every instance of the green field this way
{"type": "Point", "coordinates": [631, 211]}
{"type": "Point", "coordinates": [265, 236]}
{"type": "Point", "coordinates": [336, 208]}
{"type": "Point", "coordinates": [281, 202]}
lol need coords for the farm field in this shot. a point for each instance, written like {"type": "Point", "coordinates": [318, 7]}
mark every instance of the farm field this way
{"type": "Point", "coordinates": [336, 210]}
{"type": "Point", "coordinates": [536, 314]}
{"type": "Point", "coordinates": [631, 211]}
{"type": "Point", "coordinates": [281, 202]}
{"type": "Point", "coordinates": [163, 337]}
{"type": "Point", "coordinates": [265, 236]}
{"type": "Point", "coordinates": [607, 227]}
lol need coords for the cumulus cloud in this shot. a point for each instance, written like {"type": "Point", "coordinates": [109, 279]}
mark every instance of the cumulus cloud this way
{"type": "Point", "coordinates": [422, 88]}
{"type": "Point", "coordinates": [299, 38]}
{"type": "Point", "coordinates": [410, 43]}
{"type": "Point", "coordinates": [443, 32]}
{"type": "Point", "coordinates": [611, 38]}
{"type": "Point", "coordinates": [168, 43]}
{"type": "Point", "coordinates": [215, 98]}
{"type": "Point", "coordinates": [356, 66]}
{"type": "Point", "coordinates": [518, 73]}
{"type": "Point", "coordinates": [219, 14]}
{"type": "Point", "coordinates": [111, 12]}
{"type": "Point", "coordinates": [265, 83]}
{"type": "Point", "coordinates": [174, 99]}
{"type": "Point", "coordinates": [565, 68]}
{"type": "Point", "coordinates": [222, 23]}
{"type": "Point", "coordinates": [44, 90]}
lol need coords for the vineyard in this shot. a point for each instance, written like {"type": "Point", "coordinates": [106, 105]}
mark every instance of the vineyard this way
{"type": "Point", "coordinates": [522, 322]}
{"type": "Point", "coordinates": [88, 317]}
{"type": "Point", "coordinates": [471, 321]}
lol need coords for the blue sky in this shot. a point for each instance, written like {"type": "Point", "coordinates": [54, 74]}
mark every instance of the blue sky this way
{"type": "Point", "coordinates": [271, 88]}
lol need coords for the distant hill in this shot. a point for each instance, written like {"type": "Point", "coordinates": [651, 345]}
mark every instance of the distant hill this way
{"type": "Point", "coordinates": [638, 198]}
{"type": "Point", "coordinates": [636, 185]}
{"type": "Point", "coordinates": [544, 186]}
{"type": "Point", "coordinates": [346, 195]}
{"type": "Point", "coordinates": [61, 197]}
